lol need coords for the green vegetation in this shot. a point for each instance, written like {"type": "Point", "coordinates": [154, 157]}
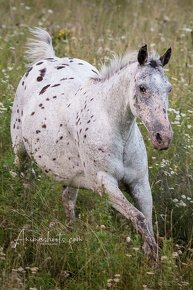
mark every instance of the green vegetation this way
{"type": "Point", "coordinates": [101, 251]}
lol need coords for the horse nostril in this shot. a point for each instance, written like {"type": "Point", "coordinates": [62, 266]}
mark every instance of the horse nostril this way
{"type": "Point", "coordinates": [158, 138]}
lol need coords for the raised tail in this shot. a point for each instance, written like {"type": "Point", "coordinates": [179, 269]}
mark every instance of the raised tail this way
{"type": "Point", "coordinates": [39, 47]}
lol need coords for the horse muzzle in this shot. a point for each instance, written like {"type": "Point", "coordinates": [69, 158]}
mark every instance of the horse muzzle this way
{"type": "Point", "coordinates": [162, 139]}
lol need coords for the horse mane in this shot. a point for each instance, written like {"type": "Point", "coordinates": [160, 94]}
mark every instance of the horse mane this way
{"type": "Point", "coordinates": [119, 62]}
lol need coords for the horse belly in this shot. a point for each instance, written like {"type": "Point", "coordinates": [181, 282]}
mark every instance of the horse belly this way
{"type": "Point", "coordinates": [53, 150]}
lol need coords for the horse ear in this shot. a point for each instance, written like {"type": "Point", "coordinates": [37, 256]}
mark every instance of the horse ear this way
{"type": "Point", "coordinates": [142, 55]}
{"type": "Point", "coordinates": [166, 57]}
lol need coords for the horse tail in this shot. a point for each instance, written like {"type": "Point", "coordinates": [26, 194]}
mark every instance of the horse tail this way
{"type": "Point", "coordinates": [39, 47]}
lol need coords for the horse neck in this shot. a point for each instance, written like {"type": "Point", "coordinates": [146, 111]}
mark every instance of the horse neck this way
{"type": "Point", "coordinates": [115, 98]}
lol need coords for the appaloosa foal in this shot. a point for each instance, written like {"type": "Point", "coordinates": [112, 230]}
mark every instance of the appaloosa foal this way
{"type": "Point", "coordinates": [79, 125]}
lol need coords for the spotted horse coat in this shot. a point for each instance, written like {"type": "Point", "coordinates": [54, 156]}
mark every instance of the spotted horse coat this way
{"type": "Point", "coordinates": [79, 125]}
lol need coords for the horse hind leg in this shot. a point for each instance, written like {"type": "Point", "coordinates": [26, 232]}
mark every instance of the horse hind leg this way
{"type": "Point", "coordinates": [69, 198]}
{"type": "Point", "coordinates": [22, 159]}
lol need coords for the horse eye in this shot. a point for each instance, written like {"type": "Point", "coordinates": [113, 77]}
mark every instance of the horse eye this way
{"type": "Point", "coordinates": [142, 89]}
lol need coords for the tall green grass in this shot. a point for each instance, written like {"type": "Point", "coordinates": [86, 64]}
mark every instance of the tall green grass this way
{"type": "Point", "coordinates": [101, 251]}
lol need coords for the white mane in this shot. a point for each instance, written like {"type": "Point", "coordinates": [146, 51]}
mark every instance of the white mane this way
{"type": "Point", "coordinates": [119, 62]}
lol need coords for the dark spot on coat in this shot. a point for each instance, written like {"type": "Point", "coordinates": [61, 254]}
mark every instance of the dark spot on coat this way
{"type": "Point", "coordinates": [28, 71]}
{"type": "Point", "coordinates": [56, 85]}
{"type": "Point", "coordinates": [42, 72]}
{"type": "Point", "coordinates": [86, 129]}
{"type": "Point", "coordinates": [80, 63]}
{"type": "Point", "coordinates": [14, 126]}
{"type": "Point", "coordinates": [71, 78]}
{"type": "Point", "coordinates": [39, 79]}
{"type": "Point", "coordinates": [60, 67]}
{"type": "Point", "coordinates": [40, 156]}
{"type": "Point", "coordinates": [69, 158]}
{"type": "Point", "coordinates": [92, 116]}
{"type": "Point", "coordinates": [68, 105]}
{"type": "Point", "coordinates": [85, 136]}
{"type": "Point", "coordinates": [54, 159]}
{"type": "Point", "coordinates": [94, 71]}
{"type": "Point", "coordinates": [19, 120]}
{"type": "Point", "coordinates": [92, 99]}
{"type": "Point", "coordinates": [17, 110]}
{"type": "Point", "coordinates": [61, 137]}
{"type": "Point", "coordinates": [164, 110]}
{"type": "Point", "coordinates": [88, 122]}
{"type": "Point", "coordinates": [47, 99]}
{"type": "Point", "coordinates": [22, 113]}
{"type": "Point", "coordinates": [61, 125]}
{"type": "Point", "coordinates": [44, 89]}
{"type": "Point", "coordinates": [44, 126]}
{"type": "Point", "coordinates": [37, 139]}
{"type": "Point", "coordinates": [38, 131]}
{"type": "Point", "coordinates": [100, 149]}
{"type": "Point", "coordinates": [64, 79]}
{"type": "Point", "coordinates": [51, 59]}
{"type": "Point", "coordinates": [54, 97]}
{"type": "Point", "coordinates": [80, 130]}
{"type": "Point", "coordinates": [84, 164]}
{"type": "Point", "coordinates": [39, 63]}
{"type": "Point", "coordinates": [22, 83]}
{"type": "Point", "coordinates": [46, 170]}
{"type": "Point", "coordinates": [40, 105]}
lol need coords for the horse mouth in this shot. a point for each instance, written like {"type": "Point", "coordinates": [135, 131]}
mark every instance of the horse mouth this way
{"type": "Point", "coordinates": [162, 147]}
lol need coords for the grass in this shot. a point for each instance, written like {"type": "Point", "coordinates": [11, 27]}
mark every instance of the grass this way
{"type": "Point", "coordinates": [94, 254]}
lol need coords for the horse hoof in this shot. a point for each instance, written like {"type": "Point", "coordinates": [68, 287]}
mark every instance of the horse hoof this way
{"type": "Point", "coordinates": [152, 251]}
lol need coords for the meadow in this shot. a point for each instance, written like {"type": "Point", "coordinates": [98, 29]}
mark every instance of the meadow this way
{"type": "Point", "coordinates": [101, 251]}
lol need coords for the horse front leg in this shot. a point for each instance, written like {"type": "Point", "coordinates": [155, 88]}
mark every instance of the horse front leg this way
{"type": "Point", "coordinates": [141, 192]}
{"type": "Point", "coordinates": [121, 204]}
